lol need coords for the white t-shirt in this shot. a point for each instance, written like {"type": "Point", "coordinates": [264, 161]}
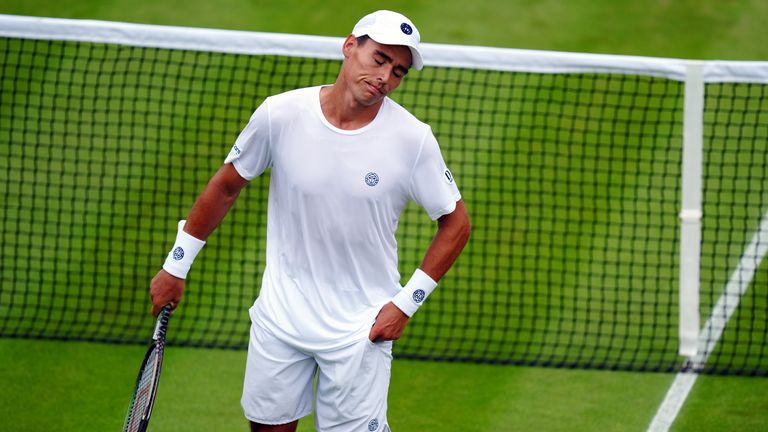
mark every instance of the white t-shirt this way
{"type": "Point", "coordinates": [334, 203]}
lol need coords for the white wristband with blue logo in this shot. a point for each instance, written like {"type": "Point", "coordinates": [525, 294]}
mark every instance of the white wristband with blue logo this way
{"type": "Point", "coordinates": [183, 253]}
{"type": "Point", "coordinates": [413, 294]}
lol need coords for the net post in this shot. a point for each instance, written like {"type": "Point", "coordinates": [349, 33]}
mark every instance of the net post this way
{"type": "Point", "coordinates": [691, 212]}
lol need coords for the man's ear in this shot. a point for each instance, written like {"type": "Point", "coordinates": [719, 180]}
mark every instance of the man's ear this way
{"type": "Point", "coordinates": [349, 43]}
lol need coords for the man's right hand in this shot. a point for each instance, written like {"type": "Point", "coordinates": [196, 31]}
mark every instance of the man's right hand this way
{"type": "Point", "coordinates": [165, 288]}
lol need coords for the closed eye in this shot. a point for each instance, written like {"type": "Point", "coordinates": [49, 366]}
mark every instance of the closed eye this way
{"type": "Point", "coordinates": [381, 57]}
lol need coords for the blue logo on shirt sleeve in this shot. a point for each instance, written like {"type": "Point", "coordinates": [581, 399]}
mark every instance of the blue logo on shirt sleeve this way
{"type": "Point", "coordinates": [448, 176]}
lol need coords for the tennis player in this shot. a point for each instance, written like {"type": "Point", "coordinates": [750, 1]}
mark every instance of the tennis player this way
{"type": "Point", "coordinates": [345, 160]}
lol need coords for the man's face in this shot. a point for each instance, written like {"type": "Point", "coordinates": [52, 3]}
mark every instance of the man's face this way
{"type": "Point", "coordinates": [374, 70]}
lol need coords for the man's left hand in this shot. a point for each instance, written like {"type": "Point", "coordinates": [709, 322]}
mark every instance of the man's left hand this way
{"type": "Point", "coordinates": [390, 324]}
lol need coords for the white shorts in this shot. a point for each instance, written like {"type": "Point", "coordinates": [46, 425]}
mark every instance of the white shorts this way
{"type": "Point", "coordinates": [352, 384]}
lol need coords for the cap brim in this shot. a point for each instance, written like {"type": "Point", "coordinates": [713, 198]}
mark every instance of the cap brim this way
{"type": "Point", "coordinates": [416, 60]}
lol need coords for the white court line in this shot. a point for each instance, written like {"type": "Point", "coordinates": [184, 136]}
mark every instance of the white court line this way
{"type": "Point", "coordinates": [713, 329]}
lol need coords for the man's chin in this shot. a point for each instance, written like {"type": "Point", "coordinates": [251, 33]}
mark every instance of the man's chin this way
{"type": "Point", "coordinates": [370, 100]}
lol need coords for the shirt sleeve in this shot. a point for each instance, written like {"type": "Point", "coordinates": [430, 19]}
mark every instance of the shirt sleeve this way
{"type": "Point", "coordinates": [251, 154]}
{"type": "Point", "coordinates": [432, 184]}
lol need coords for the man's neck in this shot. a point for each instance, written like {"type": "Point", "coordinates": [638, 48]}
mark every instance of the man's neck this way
{"type": "Point", "coordinates": [342, 111]}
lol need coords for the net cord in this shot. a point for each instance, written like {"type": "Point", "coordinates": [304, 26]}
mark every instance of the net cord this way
{"type": "Point", "coordinates": [324, 47]}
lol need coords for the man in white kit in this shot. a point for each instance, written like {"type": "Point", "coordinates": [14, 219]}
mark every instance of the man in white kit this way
{"type": "Point", "coordinates": [345, 161]}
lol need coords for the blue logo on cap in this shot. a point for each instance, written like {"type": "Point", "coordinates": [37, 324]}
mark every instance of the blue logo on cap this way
{"type": "Point", "coordinates": [406, 28]}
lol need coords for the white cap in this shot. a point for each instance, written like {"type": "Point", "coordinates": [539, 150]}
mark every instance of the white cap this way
{"type": "Point", "coordinates": [391, 28]}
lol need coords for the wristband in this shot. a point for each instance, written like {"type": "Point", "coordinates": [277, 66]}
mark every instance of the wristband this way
{"type": "Point", "coordinates": [413, 294]}
{"type": "Point", "coordinates": [183, 253]}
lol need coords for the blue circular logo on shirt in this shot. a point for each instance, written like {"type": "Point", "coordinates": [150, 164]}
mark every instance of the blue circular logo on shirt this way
{"type": "Point", "coordinates": [178, 253]}
{"type": "Point", "coordinates": [373, 425]}
{"type": "Point", "coordinates": [418, 295]}
{"type": "Point", "coordinates": [406, 28]}
{"type": "Point", "coordinates": [371, 179]}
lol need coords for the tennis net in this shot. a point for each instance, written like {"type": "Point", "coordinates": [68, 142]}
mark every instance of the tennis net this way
{"type": "Point", "coordinates": [574, 168]}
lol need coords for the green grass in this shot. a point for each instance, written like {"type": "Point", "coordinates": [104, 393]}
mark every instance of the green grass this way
{"type": "Point", "coordinates": [84, 388]}
{"type": "Point", "coordinates": [720, 404]}
{"type": "Point", "coordinates": [75, 386]}
{"type": "Point", "coordinates": [200, 388]}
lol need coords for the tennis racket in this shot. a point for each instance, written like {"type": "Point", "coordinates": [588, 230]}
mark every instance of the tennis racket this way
{"type": "Point", "coordinates": [145, 391]}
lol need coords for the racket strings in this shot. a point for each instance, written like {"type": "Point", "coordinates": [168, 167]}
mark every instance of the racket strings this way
{"type": "Point", "coordinates": [143, 393]}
